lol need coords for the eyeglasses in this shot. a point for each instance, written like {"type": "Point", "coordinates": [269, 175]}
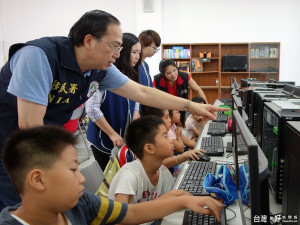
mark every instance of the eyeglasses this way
{"type": "Point", "coordinates": [116, 49]}
{"type": "Point", "coordinates": [155, 49]}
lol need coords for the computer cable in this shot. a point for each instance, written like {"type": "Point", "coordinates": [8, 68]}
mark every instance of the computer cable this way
{"type": "Point", "coordinates": [234, 214]}
{"type": "Point", "coordinates": [244, 212]}
{"type": "Point", "coordinates": [229, 154]}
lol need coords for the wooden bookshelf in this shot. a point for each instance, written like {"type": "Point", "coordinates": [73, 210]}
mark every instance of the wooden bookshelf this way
{"type": "Point", "coordinates": [263, 60]}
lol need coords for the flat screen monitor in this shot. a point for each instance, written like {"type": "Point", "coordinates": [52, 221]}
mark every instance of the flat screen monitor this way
{"type": "Point", "coordinates": [234, 83]}
{"type": "Point", "coordinates": [234, 63]}
{"type": "Point", "coordinates": [258, 168]}
{"type": "Point", "coordinates": [234, 92]}
{"type": "Point", "coordinates": [296, 92]}
{"type": "Point", "coordinates": [237, 103]}
{"type": "Point", "coordinates": [288, 89]}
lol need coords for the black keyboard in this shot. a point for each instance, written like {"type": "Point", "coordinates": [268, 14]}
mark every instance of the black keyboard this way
{"type": "Point", "coordinates": [213, 145]}
{"type": "Point", "coordinates": [221, 118]}
{"type": "Point", "coordinates": [242, 149]}
{"type": "Point", "coordinates": [217, 128]}
{"type": "Point", "coordinates": [192, 218]}
{"type": "Point", "coordinates": [194, 176]}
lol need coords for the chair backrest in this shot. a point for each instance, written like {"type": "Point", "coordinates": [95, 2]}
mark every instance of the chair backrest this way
{"type": "Point", "coordinates": [110, 171]}
{"type": "Point", "coordinates": [114, 153]}
{"type": "Point", "coordinates": [93, 176]}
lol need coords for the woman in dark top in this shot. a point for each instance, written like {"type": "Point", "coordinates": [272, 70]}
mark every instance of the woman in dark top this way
{"type": "Point", "coordinates": [175, 82]}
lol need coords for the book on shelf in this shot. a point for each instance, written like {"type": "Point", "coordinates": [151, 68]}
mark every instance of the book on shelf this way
{"type": "Point", "coordinates": [183, 66]}
{"type": "Point", "coordinates": [197, 66]}
{"type": "Point", "coordinates": [264, 51]}
{"type": "Point", "coordinates": [177, 52]}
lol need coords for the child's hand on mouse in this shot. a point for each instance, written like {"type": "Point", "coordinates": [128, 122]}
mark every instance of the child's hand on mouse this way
{"type": "Point", "coordinates": [192, 154]}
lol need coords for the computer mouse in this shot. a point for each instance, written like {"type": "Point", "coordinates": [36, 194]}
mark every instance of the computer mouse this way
{"type": "Point", "coordinates": [203, 158]}
{"type": "Point", "coordinates": [229, 124]}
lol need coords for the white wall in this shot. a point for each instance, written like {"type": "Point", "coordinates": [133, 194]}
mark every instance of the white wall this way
{"type": "Point", "coordinates": [188, 21]}
{"type": "Point", "coordinates": [26, 20]}
{"type": "Point", "coordinates": [198, 21]}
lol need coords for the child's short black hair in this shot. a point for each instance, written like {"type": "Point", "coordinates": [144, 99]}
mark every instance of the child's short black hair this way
{"type": "Point", "coordinates": [151, 111]}
{"type": "Point", "coordinates": [140, 132]}
{"type": "Point", "coordinates": [34, 147]}
{"type": "Point", "coordinates": [199, 100]}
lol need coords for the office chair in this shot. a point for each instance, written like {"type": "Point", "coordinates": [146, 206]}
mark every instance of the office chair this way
{"type": "Point", "coordinates": [94, 176]}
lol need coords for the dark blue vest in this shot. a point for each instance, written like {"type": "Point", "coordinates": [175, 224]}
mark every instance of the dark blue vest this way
{"type": "Point", "coordinates": [69, 89]}
{"type": "Point", "coordinates": [116, 110]}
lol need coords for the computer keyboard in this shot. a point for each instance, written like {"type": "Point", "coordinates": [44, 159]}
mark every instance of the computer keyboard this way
{"type": "Point", "coordinates": [194, 176]}
{"type": "Point", "coordinates": [242, 149]}
{"type": "Point", "coordinates": [213, 145]}
{"type": "Point", "coordinates": [217, 128]}
{"type": "Point", "coordinates": [193, 218]}
{"type": "Point", "coordinates": [221, 118]}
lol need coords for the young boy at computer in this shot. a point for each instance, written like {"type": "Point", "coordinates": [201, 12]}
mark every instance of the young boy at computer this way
{"type": "Point", "coordinates": [125, 155]}
{"type": "Point", "coordinates": [145, 178]}
{"type": "Point", "coordinates": [194, 123]}
{"type": "Point", "coordinates": [165, 116]}
{"type": "Point", "coordinates": [42, 164]}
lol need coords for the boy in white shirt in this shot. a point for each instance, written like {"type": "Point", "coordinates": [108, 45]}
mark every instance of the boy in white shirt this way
{"type": "Point", "coordinates": [145, 179]}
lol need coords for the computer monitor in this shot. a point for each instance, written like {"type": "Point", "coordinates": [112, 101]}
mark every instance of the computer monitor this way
{"type": "Point", "coordinates": [237, 103]}
{"type": "Point", "coordinates": [272, 80]}
{"type": "Point", "coordinates": [288, 89]}
{"type": "Point", "coordinates": [296, 92]}
{"type": "Point", "coordinates": [234, 83]}
{"type": "Point", "coordinates": [234, 63]}
{"type": "Point", "coordinates": [234, 92]}
{"type": "Point", "coordinates": [245, 82]}
{"type": "Point", "coordinates": [258, 170]}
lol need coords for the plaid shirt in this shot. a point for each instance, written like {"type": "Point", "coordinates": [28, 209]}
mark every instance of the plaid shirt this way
{"type": "Point", "coordinates": [93, 104]}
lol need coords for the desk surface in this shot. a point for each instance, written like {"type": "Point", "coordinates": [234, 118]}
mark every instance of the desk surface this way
{"type": "Point", "coordinates": [177, 218]}
{"type": "Point", "coordinates": [233, 214]}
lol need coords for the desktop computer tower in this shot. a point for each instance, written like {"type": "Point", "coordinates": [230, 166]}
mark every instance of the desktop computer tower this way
{"type": "Point", "coordinates": [275, 116]}
{"type": "Point", "coordinates": [253, 108]}
{"type": "Point", "coordinates": [291, 181]}
{"type": "Point", "coordinates": [256, 117]}
{"type": "Point", "coordinates": [248, 99]}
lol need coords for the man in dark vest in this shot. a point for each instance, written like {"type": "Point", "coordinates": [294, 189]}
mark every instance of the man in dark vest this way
{"type": "Point", "coordinates": [46, 79]}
